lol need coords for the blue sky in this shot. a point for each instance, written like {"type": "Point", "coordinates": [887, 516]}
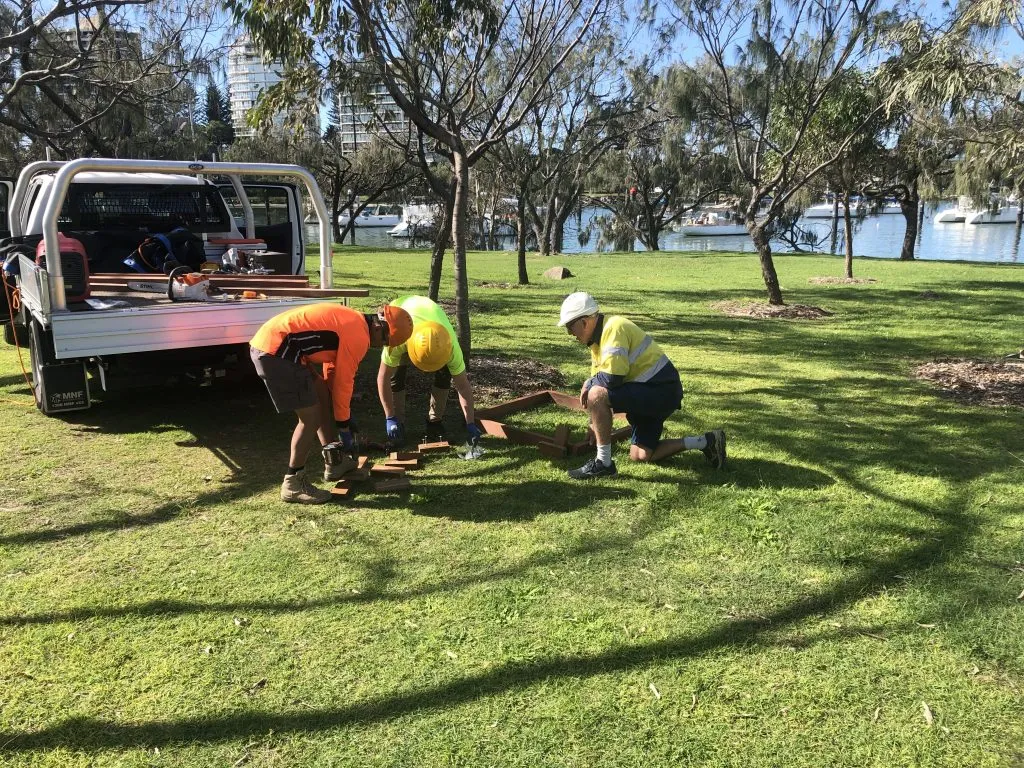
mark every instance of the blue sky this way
{"type": "Point", "coordinates": [1007, 47]}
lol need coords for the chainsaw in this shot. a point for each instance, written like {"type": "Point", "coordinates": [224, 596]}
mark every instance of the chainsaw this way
{"type": "Point", "coordinates": [184, 285]}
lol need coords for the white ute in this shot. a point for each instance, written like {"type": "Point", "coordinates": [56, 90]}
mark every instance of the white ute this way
{"type": "Point", "coordinates": [120, 334]}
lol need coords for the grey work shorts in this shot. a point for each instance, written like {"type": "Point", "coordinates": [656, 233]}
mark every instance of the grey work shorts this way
{"type": "Point", "coordinates": [290, 384]}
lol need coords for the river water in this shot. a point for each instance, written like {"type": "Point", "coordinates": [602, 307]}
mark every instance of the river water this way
{"type": "Point", "coordinates": [880, 236]}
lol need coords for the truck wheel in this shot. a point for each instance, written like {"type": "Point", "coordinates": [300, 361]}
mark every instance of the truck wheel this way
{"type": "Point", "coordinates": [58, 385]}
{"type": "Point", "coordinates": [36, 353]}
{"type": "Point", "coordinates": [16, 334]}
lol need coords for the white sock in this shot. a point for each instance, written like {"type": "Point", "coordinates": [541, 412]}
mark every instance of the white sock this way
{"type": "Point", "coordinates": [604, 454]}
{"type": "Point", "coordinates": [695, 443]}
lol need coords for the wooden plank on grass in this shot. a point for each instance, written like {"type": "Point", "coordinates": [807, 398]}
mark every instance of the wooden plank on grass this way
{"type": "Point", "coordinates": [513, 406]}
{"type": "Point", "coordinates": [383, 470]}
{"type": "Point", "coordinates": [403, 463]}
{"type": "Point", "coordinates": [296, 292]}
{"type": "Point", "coordinates": [342, 490]}
{"type": "Point", "coordinates": [552, 450]}
{"type": "Point", "coordinates": [405, 455]}
{"type": "Point", "coordinates": [561, 435]}
{"type": "Point", "coordinates": [393, 486]}
{"type": "Point", "coordinates": [434, 447]}
{"type": "Point", "coordinates": [513, 434]}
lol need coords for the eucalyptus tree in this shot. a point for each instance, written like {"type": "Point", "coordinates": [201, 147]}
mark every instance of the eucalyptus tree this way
{"type": "Point", "coordinates": [949, 70]}
{"type": "Point", "coordinates": [853, 105]}
{"type": "Point", "coordinates": [767, 70]}
{"type": "Point", "coordinates": [517, 157]}
{"type": "Point", "coordinates": [665, 169]}
{"type": "Point", "coordinates": [465, 74]}
{"type": "Point", "coordinates": [82, 76]}
{"type": "Point", "coordinates": [584, 116]}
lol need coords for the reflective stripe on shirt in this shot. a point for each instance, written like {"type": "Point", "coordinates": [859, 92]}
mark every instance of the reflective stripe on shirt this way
{"type": "Point", "coordinates": [651, 372]}
{"type": "Point", "coordinates": [641, 348]}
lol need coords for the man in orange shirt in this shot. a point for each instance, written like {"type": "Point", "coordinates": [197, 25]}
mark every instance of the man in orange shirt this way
{"type": "Point", "coordinates": [307, 358]}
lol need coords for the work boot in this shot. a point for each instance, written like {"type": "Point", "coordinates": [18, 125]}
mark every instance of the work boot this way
{"type": "Point", "coordinates": [435, 432]}
{"type": "Point", "coordinates": [714, 451]}
{"type": "Point", "coordinates": [592, 469]}
{"type": "Point", "coordinates": [336, 469]}
{"type": "Point", "coordinates": [298, 490]}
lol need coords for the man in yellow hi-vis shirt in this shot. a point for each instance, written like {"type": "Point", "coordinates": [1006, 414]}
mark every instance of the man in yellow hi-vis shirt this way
{"type": "Point", "coordinates": [629, 374]}
{"type": "Point", "coordinates": [432, 348]}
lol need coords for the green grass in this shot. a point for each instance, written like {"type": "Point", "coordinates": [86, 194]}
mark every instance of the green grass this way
{"type": "Point", "coordinates": [159, 606]}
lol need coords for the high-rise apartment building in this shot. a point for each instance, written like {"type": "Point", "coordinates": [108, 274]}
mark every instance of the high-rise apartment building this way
{"type": "Point", "coordinates": [370, 111]}
{"type": "Point", "coordinates": [249, 74]}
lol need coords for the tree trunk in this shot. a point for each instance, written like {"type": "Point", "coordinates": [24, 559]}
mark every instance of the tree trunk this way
{"type": "Point", "coordinates": [524, 278]}
{"type": "Point", "coordinates": [461, 168]}
{"type": "Point", "coordinates": [848, 233]}
{"type": "Point", "coordinates": [336, 212]}
{"type": "Point", "coordinates": [764, 251]}
{"type": "Point", "coordinates": [547, 228]}
{"type": "Point", "coordinates": [908, 207]}
{"type": "Point", "coordinates": [441, 239]}
{"type": "Point", "coordinates": [835, 221]}
{"type": "Point", "coordinates": [558, 239]}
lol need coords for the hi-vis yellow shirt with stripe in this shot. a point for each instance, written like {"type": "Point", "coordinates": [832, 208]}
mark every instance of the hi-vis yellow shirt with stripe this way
{"type": "Point", "coordinates": [624, 350]}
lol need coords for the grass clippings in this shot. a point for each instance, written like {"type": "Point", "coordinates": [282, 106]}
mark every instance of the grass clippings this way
{"type": "Point", "coordinates": [977, 382]}
{"type": "Point", "coordinates": [841, 280]}
{"type": "Point", "coordinates": [765, 311]}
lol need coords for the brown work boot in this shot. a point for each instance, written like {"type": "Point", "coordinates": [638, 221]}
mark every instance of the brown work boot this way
{"type": "Point", "coordinates": [336, 468]}
{"type": "Point", "coordinates": [298, 490]}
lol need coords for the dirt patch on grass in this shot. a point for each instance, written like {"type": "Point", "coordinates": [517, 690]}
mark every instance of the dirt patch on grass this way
{"type": "Point", "coordinates": [841, 280]}
{"type": "Point", "coordinates": [487, 284]}
{"type": "Point", "coordinates": [997, 383]}
{"type": "Point", "coordinates": [496, 379]}
{"type": "Point", "coordinates": [764, 311]}
{"type": "Point", "coordinates": [448, 305]}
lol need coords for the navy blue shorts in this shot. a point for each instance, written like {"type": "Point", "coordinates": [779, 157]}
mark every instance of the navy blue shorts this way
{"type": "Point", "coordinates": [647, 406]}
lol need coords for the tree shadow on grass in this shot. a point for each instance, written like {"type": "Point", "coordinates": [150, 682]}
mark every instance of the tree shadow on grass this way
{"type": "Point", "coordinates": [525, 500]}
{"type": "Point", "coordinates": [955, 532]}
{"type": "Point", "coordinates": [375, 586]}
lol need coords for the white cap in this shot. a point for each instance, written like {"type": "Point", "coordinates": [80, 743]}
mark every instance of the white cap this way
{"type": "Point", "coordinates": [576, 305]}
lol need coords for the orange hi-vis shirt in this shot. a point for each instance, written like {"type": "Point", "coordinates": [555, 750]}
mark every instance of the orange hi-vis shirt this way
{"type": "Point", "coordinates": [336, 336]}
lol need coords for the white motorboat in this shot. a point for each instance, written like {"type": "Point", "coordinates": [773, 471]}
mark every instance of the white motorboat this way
{"type": "Point", "coordinates": [888, 208]}
{"type": "Point", "coordinates": [957, 214]}
{"type": "Point", "coordinates": [827, 210]}
{"type": "Point", "coordinates": [416, 219]}
{"type": "Point", "coordinates": [383, 215]}
{"type": "Point", "coordinates": [1004, 214]}
{"type": "Point", "coordinates": [710, 224]}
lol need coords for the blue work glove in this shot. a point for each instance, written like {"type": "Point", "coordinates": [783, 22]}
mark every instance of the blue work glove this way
{"type": "Point", "coordinates": [474, 432]}
{"type": "Point", "coordinates": [395, 430]}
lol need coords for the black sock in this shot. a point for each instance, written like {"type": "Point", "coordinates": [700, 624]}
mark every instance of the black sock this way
{"type": "Point", "coordinates": [295, 470]}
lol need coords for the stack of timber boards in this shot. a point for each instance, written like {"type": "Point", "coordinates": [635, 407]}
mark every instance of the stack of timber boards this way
{"type": "Point", "coordinates": [388, 476]}
{"type": "Point", "coordinates": [296, 286]}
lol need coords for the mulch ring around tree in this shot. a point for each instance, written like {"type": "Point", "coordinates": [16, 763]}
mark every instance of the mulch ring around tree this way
{"type": "Point", "coordinates": [841, 280]}
{"type": "Point", "coordinates": [998, 383]}
{"type": "Point", "coordinates": [495, 379]}
{"type": "Point", "coordinates": [764, 311]}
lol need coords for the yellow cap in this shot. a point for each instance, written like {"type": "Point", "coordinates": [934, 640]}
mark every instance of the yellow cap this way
{"type": "Point", "coordinates": [430, 346]}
